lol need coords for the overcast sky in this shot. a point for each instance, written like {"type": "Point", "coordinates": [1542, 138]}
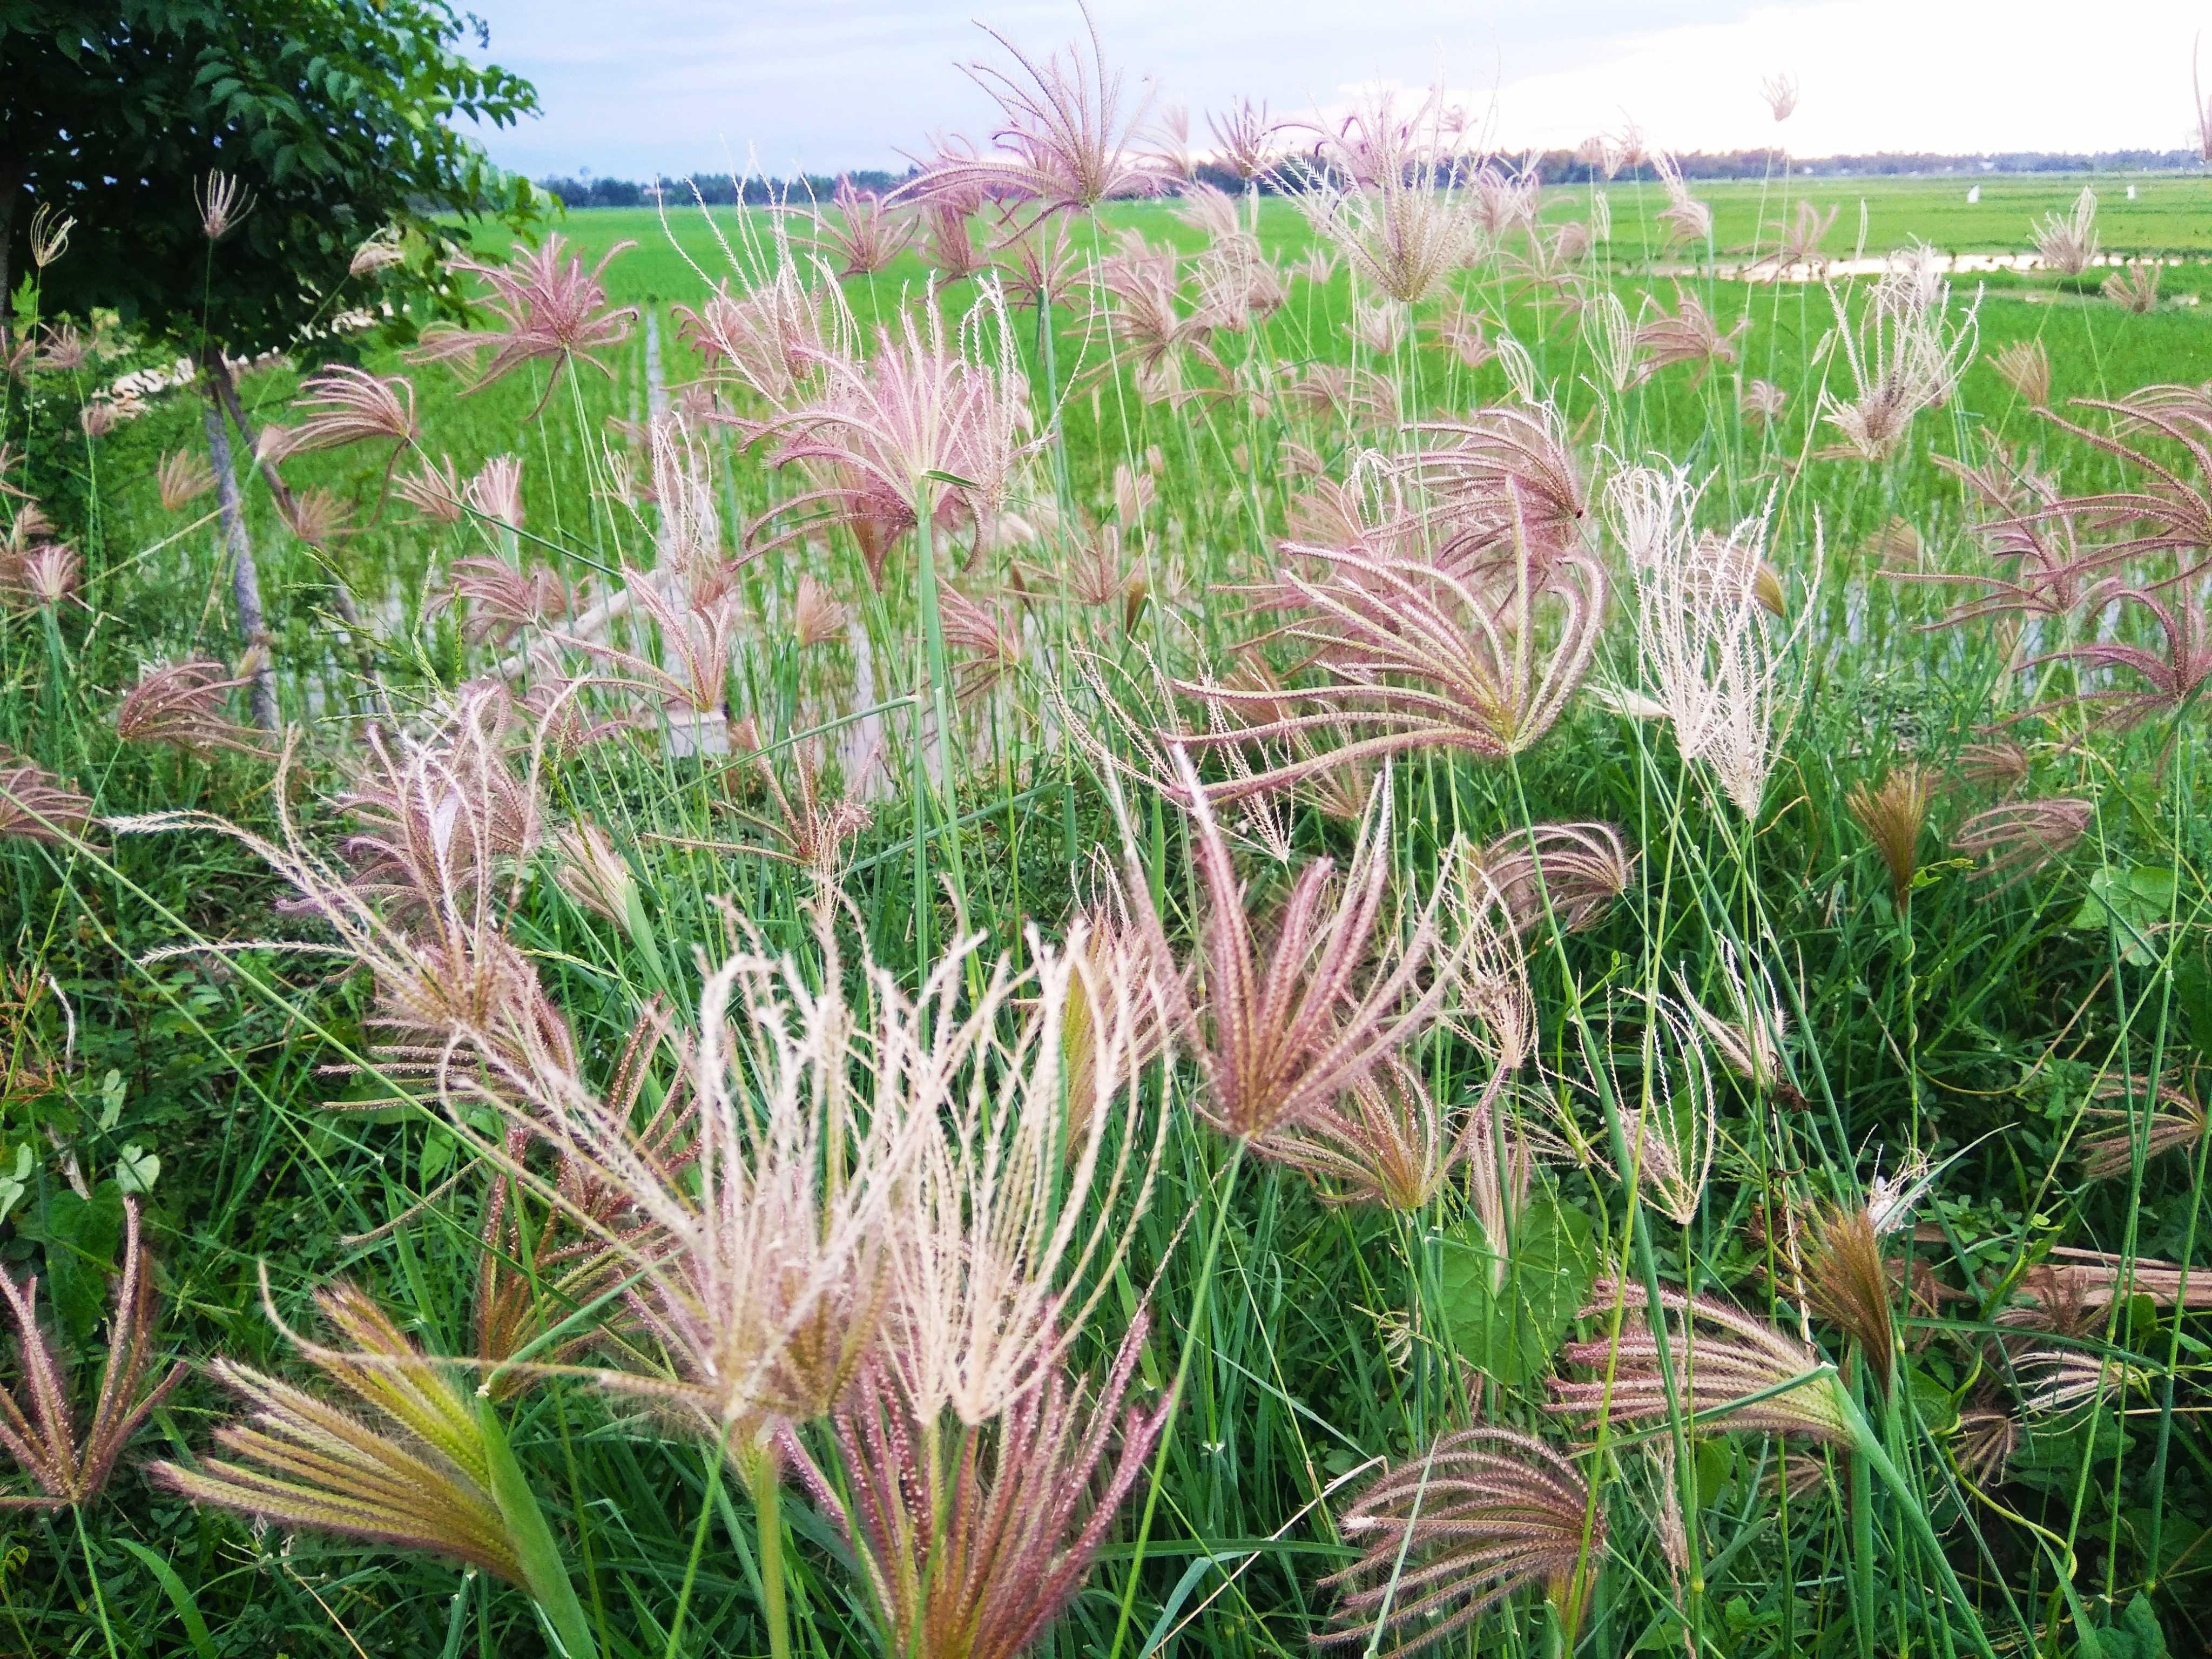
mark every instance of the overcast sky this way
{"type": "Point", "coordinates": [639, 86]}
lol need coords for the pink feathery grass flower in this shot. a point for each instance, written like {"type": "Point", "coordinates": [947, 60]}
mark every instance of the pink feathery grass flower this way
{"type": "Point", "coordinates": [36, 805]}
{"type": "Point", "coordinates": [1041, 265]}
{"type": "Point", "coordinates": [1449, 1532]}
{"type": "Point", "coordinates": [1023, 1201]}
{"type": "Point", "coordinates": [183, 478]}
{"type": "Point", "coordinates": [1687, 219]}
{"type": "Point", "coordinates": [1481, 653]}
{"type": "Point", "coordinates": [866, 233]}
{"type": "Point", "coordinates": [495, 492]}
{"type": "Point", "coordinates": [2067, 243]}
{"type": "Point", "coordinates": [1713, 658]}
{"type": "Point", "coordinates": [920, 425]}
{"type": "Point", "coordinates": [502, 601]}
{"type": "Point", "coordinates": [432, 489]}
{"type": "Point", "coordinates": [1575, 871]}
{"type": "Point", "coordinates": [1278, 1031]}
{"type": "Point", "coordinates": [2169, 1119]}
{"type": "Point", "coordinates": [2165, 681]}
{"type": "Point", "coordinates": [223, 200]}
{"type": "Point", "coordinates": [1725, 1366]}
{"type": "Point", "coordinates": [2016, 840]}
{"type": "Point", "coordinates": [342, 405]}
{"type": "Point", "coordinates": [1245, 138]}
{"type": "Point", "coordinates": [1690, 336]}
{"type": "Point", "coordinates": [545, 310]}
{"type": "Point", "coordinates": [1064, 141]}
{"type": "Point", "coordinates": [972, 1548]}
{"type": "Point", "coordinates": [182, 704]}
{"type": "Point", "coordinates": [44, 576]}
{"type": "Point", "coordinates": [1906, 354]}
{"type": "Point", "coordinates": [70, 1470]}
{"type": "Point", "coordinates": [1498, 478]}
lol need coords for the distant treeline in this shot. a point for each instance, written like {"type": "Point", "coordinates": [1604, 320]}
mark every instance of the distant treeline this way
{"type": "Point", "coordinates": [1552, 167]}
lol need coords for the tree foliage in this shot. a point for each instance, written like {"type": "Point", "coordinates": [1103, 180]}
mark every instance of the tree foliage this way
{"type": "Point", "coordinates": [339, 116]}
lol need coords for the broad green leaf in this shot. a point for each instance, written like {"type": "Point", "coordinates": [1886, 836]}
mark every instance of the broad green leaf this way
{"type": "Point", "coordinates": [1507, 1316]}
{"type": "Point", "coordinates": [2133, 902]}
{"type": "Point", "coordinates": [81, 1235]}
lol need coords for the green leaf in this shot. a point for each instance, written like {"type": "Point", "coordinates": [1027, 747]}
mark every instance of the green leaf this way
{"type": "Point", "coordinates": [180, 1597]}
{"type": "Point", "coordinates": [137, 1170]}
{"type": "Point", "coordinates": [545, 1572]}
{"type": "Point", "coordinates": [1507, 1316]}
{"type": "Point", "coordinates": [2134, 902]}
{"type": "Point", "coordinates": [81, 1235]}
{"type": "Point", "coordinates": [2192, 996]}
{"type": "Point", "coordinates": [2136, 1635]}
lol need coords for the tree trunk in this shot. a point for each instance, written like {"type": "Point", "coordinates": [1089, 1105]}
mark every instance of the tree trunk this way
{"type": "Point", "coordinates": [245, 578]}
{"type": "Point", "coordinates": [216, 371]}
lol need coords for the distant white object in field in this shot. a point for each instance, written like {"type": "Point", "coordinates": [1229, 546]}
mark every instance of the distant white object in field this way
{"type": "Point", "coordinates": [2131, 192]}
{"type": "Point", "coordinates": [1973, 195]}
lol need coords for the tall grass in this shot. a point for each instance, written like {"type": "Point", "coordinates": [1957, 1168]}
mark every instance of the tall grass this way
{"type": "Point", "coordinates": [1930, 1139]}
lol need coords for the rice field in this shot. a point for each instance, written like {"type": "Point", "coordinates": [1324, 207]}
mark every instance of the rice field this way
{"type": "Point", "coordinates": [1381, 919]}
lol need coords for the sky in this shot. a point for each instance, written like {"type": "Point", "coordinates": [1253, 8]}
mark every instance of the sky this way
{"type": "Point", "coordinates": [640, 86]}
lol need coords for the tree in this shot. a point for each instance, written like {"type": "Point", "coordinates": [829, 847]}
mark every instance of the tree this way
{"type": "Point", "coordinates": [326, 123]}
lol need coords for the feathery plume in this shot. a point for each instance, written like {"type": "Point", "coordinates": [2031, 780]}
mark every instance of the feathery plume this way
{"type": "Point", "coordinates": [1907, 353]}
{"type": "Point", "coordinates": [816, 616]}
{"type": "Point", "coordinates": [591, 872]}
{"type": "Point", "coordinates": [223, 202]}
{"type": "Point", "coordinates": [544, 311]}
{"type": "Point", "coordinates": [1013, 1210]}
{"type": "Point", "coordinates": [970, 1552]}
{"type": "Point", "coordinates": [345, 406]}
{"type": "Point", "coordinates": [1281, 1031]}
{"type": "Point", "coordinates": [1687, 219]}
{"type": "Point", "coordinates": [49, 234]}
{"type": "Point", "coordinates": [1893, 813]}
{"type": "Point", "coordinates": [182, 704]}
{"type": "Point", "coordinates": [432, 489]}
{"type": "Point", "coordinates": [1762, 402]}
{"type": "Point", "coordinates": [1720, 1358]}
{"type": "Point", "coordinates": [184, 477]}
{"type": "Point", "coordinates": [1245, 138]}
{"type": "Point", "coordinates": [2067, 243]}
{"type": "Point", "coordinates": [2134, 287]}
{"type": "Point", "coordinates": [496, 491]}
{"type": "Point", "coordinates": [1750, 1042]}
{"type": "Point", "coordinates": [1713, 659]}
{"type": "Point", "coordinates": [43, 1440]}
{"type": "Point", "coordinates": [36, 805]}
{"type": "Point", "coordinates": [2025, 366]}
{"type": "Point", "coordinates": [1690, 336]}
{"type": "Point", "coordinates": [2019, 838]}
{"type": "Point", "coordinates": [1780, 91]}
{"type": "Point", "coordinates": [1574, 870]}
{"type": "Point", "coordinates": [1447, 1534]}
{"type": "Point", "coordinates": [379, 253]}
{"type": "Point", "coordinates": [2170, 1120]}
{"type": "Point", "coordinates": [867, 233]}
{"type": "Point", "coordinates": [1065, 140]}
{"type": "Point", "coordinates": [416, 1472]}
